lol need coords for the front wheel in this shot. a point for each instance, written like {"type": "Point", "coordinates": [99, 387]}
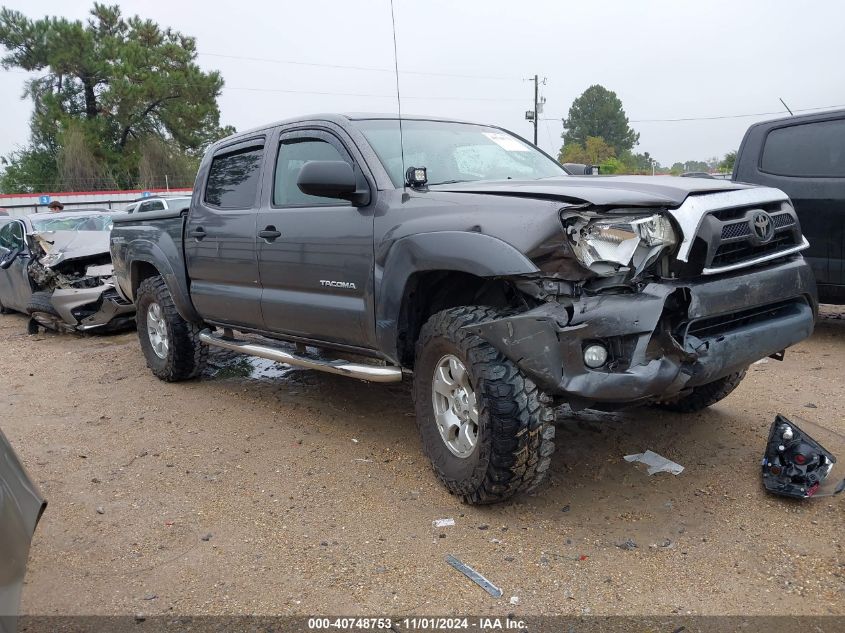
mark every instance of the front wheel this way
{"type": "Point", "coordinates": [41, 312]}
{"type": "Point", "coordinates": [703, 396]}
{"type": "Point", "coordinates": [170, 344]}
{"type": "Point", "coordinates": [485, 425]}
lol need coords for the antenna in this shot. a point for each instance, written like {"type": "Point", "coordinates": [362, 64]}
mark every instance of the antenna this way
{"type": "Point", "coordinates": [781, 100]}
{"type": "Point", "coordinates": [398, 99]}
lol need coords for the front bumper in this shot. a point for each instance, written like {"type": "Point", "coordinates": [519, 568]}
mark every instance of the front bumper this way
{"type": "Point", "coordinates": [669, 337]}
{"type": "Point", "coordinates": [92, 308]}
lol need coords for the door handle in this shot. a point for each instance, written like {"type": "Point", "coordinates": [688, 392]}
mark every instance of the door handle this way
{"type": "Point", "coordinates": [198, 233]}
{"type": "Point", "coordinates": [269, 233]}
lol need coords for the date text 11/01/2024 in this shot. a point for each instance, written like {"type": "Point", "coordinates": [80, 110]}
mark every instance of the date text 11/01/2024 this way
{"type": "Point", "coordinates": [416, 623]}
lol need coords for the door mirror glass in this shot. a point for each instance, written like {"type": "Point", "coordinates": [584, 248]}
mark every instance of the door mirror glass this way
{"type": "Point", "coordinates": [327, 179]}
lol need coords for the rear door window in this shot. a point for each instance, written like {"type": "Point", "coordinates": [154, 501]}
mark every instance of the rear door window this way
{"type": "Point", "coordinates": [233, 179]}
{"type": "Point", "coordinates": [810, 150]}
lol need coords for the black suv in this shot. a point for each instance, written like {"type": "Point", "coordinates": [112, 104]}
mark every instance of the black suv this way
{"type": "Point", "coordinates": [804, 156]}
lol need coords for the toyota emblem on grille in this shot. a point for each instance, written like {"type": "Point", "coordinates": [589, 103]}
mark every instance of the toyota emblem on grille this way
{"type": "Point", "coordinates": [762, 225]}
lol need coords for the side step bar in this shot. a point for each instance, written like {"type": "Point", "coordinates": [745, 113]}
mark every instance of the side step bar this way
{"type": "Point", "coordinates": [372, 373]}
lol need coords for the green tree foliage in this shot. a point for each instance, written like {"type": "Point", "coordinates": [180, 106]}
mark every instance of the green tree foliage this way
{"type": "Point", "coordinates": [109, 90]}
{"type": "Point", "coordinates": [728, 162]}
{"type": "Point", "coordinates": [598, 112]}
{"type": "Point", "coordinates": [594, 151]}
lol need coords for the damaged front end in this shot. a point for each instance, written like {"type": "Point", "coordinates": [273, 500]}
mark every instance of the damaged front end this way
{"type": "Point", "coordinates": [72, 277]}
{"type": "Point", "coordinates": [614, 319]}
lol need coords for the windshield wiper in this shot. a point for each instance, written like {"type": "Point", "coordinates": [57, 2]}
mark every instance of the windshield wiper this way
{"type": "Point", "coordinates": [446, 182]}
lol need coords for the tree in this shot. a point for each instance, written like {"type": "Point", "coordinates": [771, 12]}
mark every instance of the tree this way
{"type": "Point", "coordinates": [107, 90]}
{"type": "Point", "coordinates": [598, 112]}
{"type": "Point", "coordinates": [728, 162]}
{"type": "Point", "coordinates": [594, 152]}
{"type": "Point", "coordinates": [638, 163]}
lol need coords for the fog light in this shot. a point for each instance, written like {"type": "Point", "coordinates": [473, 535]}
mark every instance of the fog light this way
{"type": "Point", "coordinates": [595, 356]}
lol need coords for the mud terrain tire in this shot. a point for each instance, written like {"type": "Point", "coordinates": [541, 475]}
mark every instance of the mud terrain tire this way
{"type": "Point", "coordinates": [183, 357]}
{"type": "Point", "coordinates": [515, 431]}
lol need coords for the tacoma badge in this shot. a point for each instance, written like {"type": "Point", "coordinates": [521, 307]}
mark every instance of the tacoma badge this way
{"type": "Point", "coordinates": [346, 285]}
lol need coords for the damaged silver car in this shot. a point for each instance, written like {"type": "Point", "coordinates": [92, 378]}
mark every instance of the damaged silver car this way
{"type": "Point", "coordinates": [57, 268]}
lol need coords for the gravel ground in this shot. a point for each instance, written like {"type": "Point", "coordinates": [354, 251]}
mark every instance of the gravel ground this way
{"type": "Point", "coordinates": [265, 491]}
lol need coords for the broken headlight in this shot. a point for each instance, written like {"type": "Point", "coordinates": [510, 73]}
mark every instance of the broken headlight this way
{"type": "Point", "coordinates": [609, 245]}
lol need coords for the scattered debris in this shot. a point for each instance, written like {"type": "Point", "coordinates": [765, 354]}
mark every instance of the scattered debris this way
{"type": "Point", "coordinates": [795, 465]}
{"type": "Point", "coordinates": [514, 600]}
{"type": "Point", "coordinates": [355, 441]}
{"type": "Point", "coordinates": [150, 596]}
{"type": "Point", "coordinates": [627, 545]}
{"type": "Point", "coordinates": [656, 463]}
{"type": "Point", "coordinates": [474, 576]}
{"type": "Point", "coordinates": [206, 537]}
{"type": "Point", "coordinates": [438, 523]}
{"type": "Point", "coordinates": [100, 510]}
{"type": "Point", "coordinates": [565, 508]}
{"type": "Point", "coordinates": [483, 526]}
{"type": "Point", "coordinates": [810, 405]}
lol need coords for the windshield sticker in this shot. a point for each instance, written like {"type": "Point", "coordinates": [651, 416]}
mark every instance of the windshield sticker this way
{"type": "Point", "coordinates": [507, 142]}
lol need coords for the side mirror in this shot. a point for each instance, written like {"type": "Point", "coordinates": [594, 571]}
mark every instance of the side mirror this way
{"type": "Point", "coordinates": [332, 179]}
{"type": "Point", "coordinates": [8, 258]}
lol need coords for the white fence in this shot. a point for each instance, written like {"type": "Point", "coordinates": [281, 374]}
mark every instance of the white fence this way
{"type": "Point", "coordinates": [20, 204]}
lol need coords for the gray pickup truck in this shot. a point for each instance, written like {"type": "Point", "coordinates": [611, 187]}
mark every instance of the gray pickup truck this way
{"type": "Point", "coordinates": [464, 256]}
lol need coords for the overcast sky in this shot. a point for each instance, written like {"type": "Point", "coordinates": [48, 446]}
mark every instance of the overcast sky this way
{"type": "Point", "coordinates": [665, 60]}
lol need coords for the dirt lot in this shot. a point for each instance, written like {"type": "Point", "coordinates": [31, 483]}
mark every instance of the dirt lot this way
{"type": "Point", "coordinates": [294, 492]}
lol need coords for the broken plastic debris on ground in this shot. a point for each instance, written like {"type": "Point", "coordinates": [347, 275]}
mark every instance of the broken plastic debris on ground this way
{"type": "Point", "coordinates": [474, 576]}
{"type": "Point", "coordinates": [656, 463]}
{"type": "Point", "coordinates": [443, 522]}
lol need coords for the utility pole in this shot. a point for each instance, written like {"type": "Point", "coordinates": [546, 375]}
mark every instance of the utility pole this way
{"type": "Point", "coordinates": [536, 109]}
{"type": "Point", "coordinates": [534, 115]}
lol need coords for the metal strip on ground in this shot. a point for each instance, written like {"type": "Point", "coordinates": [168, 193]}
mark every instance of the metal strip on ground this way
{"type": "Point", "coordinates": [474, 576]}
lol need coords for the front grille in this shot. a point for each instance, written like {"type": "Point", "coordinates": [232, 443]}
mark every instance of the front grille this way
{"type": "Point", "coordinates": [742, 228]}
{"type": "Point", "coordinates": [733, 231]}
{"type": "Point", "coordinates": [726, 237]}
{"type": "Point", "coordinates": [736, 252]}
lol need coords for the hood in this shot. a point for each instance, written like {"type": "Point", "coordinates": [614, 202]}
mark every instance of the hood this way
{"type": "Point", "coordinates": [668, 191]}
{"type": "Point", "coordinates": [65, 246]}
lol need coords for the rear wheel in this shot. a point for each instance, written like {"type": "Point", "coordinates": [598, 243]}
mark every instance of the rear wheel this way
{"type": "Point", "coordinates": [485, 426]}
{"type": "Point", "coordinates": [170, 344]}
{"type": "Point", "coordinates": [704, 396]}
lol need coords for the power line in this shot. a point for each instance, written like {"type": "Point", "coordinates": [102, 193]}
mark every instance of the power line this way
{"type": "Point", "coordinates": [327, 93]}
{"type": "Point", "coordinates": [723, 116]}
{"type": "Point", "coordinates": [378, 69]}
{"type": "Point", "coordinates": [497, 99]}
{"type": "Point", "coordinates": [734, 116]}
{"type": "Point", "coordinates": [378, 96]}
